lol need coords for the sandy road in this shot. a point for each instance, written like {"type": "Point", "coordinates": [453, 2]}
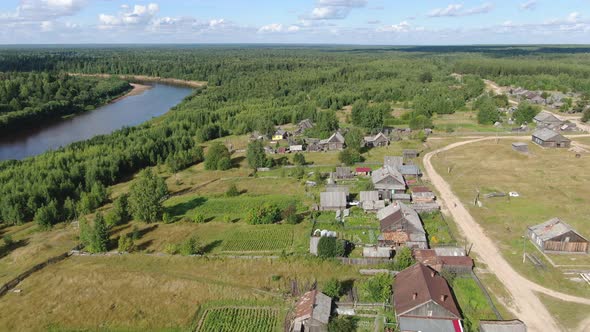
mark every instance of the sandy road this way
{"type": "Point", "coordinates": [525, 304]}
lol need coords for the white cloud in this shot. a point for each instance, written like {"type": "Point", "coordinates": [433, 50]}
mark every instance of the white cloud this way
{"type": "Point", "coordinates": [278, 28]}
{"type": "Point", "coordinates": [403, 26]}
{"type": "Point", "coordinates": [456, 9]}
{"type": "Point", "coordinates": [139, 15]}
{"type": "Point", "coordinates": [529, 5]}
{"type": "Point", "coordinates": [335, 9]}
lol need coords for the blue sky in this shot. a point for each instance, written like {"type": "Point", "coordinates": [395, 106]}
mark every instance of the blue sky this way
{"type": "Point", "coordinates": [376, 22]}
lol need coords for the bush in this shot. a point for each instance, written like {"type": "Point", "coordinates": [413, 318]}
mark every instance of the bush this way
{"type": "Point", "coordinates": [420, 121]}
{"type": "Point", "coordinates": [265, 214]}
{"type": "Point", "coordinates": [299, 159]}
{"type": "Point", "coordinates": [403, 259]}
{"type": "Point", "coordinates": [232, 191]}
{"type": "Point", "coordinates": [190, 247]}
{"type": "Point", "coordinates": [350, 156]}
{"type": "Point", "coordinates": [8, 241]}
{"type": "Point", "coordinates": [125, 243]}
{"type": "Point", "coordinates": [171, 249]}
{"type": "Point", "coordinates": [198, 218]}
{"type": "Point", "coordinates": [525, 113]}
{"type": "Point", "coordinates": [289, 214]}
{"type": "Point", "coordinates": [343, 324]}
{"type": "Point", "coordinates": [333, 288]}
{"type": "Point", "coordinates": [329, 247]}
{"type": "Point", "coordinates": [377, 288]}
{"type": "Point", "coordinates": [218, 157]}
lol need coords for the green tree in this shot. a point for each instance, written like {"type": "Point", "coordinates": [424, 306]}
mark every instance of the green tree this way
{"type": "Point", "coordinates": [264, 214]}
{"type": "Point", "coordinates": [299, 159]}
{"type": "Point", "coordinates": [146, 195]}
{"type": "Point", "coordinates": [586, 115]}
{"type": "Point", "coordinates": [100, 235]}
{"type": "Point", "coordinates": [354, 139]}
{"type": "Point", "coordinates": [403, 259]}
{"type": "Point", "coordinates": [420, 121]}
{"type": "Point", "coordinates": [525, 113]}
{"type": "Point", "coordinates": [47, 215]}
{"type": "Point", "coordinates": [377, 288]}
{"type": "Point", "coordinates": [350, 156]}
{"type": "Point", "coordinates": [232, 191]}
{"type": "Point", "coordinates": [125, 243]}
{"type": "Point", "coordinates": [218, 157]}
{"type": "Point", "coordinates": [190, 246]}
{"type": "Point", "coordinates": [333, 288]}
{"type": "Point", "coordinates": [256, 155]}
{"type": "Point", "coordinates": [487, 113]}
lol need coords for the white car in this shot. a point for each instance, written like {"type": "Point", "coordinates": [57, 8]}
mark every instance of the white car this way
{"type": "Point", "coordinates": [513, 194]}
{"type": "Point", "coordinates": [354, 203]}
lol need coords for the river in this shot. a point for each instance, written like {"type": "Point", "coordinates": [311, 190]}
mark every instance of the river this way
{"type": "Point", "coordinates": [126, 112]}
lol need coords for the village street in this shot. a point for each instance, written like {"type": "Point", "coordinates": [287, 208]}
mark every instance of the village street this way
{"type": "Point", "coordinates": [525, 304]}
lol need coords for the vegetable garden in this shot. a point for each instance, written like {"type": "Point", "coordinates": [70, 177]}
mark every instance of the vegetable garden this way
{"type": "Point", "coordinates": [269, 238]}
{"type": "Point", "coordinates": [232, 319]}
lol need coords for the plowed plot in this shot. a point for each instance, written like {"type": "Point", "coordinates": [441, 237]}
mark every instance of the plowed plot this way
{"type": "Point", "coordinates": [239, 319]}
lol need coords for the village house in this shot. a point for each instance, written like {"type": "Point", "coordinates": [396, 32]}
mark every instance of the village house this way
{"type": "Point", "coordinates": [303, 125]}
{"type": "Point", "coordinates": [423, 301]}
{"type": "Point", "coordinates": [555, 235]}
{"type": "Point", "coordinates": [520, 147]}
{"type": "Point", "coordinates": [546, 119]}
{"type": "Point", "coordinates": [548, 138]}
{"type": "Point", "coordinates": [388, 181]}
{"type": "Point", "coordinates": [333, 143]}
{"type": "Point", "coordinates": [332, 201]}
{"type": "Point", "coordinates": [363, 171]}
{"type": "Point", "coordinates": [502, 326]}
{"type": "Point", "coordinates": [421, 194]}
{"type": "Point", "coordinates": [441, 261]}
{"type": "Point", "coordinates": [375, 141]}
{"type": "Point", "coordinates": [312, 312]}
{"type": "Point", "coordinates": [343, 173]}
{"type": "Point", "coordinates": [279, 135]}
{"type": "Point", "coordinates": [369, 201]}
{"type": "Point", "coordinates": [313, 145]}
{"type": "Point", "coordinates": [401, 226]}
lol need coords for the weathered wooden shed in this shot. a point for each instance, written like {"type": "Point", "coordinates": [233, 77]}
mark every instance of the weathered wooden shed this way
{"type": "Point", "coordinates": [331, 201]}
{"type": "Point", "coordinates": [555, 235]}
{"type": "Point", "coordinates": [502, 326]}
{"type": "Point", "coordinates": [520, 147]}
{"type": "Point", "coordinates": [546, 137]}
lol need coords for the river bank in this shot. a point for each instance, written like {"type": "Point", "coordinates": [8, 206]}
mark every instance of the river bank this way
{"type": "Point", "coordinates": [136, 90]}
{"type": "Point", "coordinates": [149, 79]}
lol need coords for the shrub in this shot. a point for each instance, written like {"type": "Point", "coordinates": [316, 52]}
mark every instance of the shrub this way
{"type": "Point", "coordinates": [333, 288]}
{"type": "Point", "coordinates": [8, 241]}
{"type": "Point", "coordinates": [329, 247]}
{"type": "Point", "coordinates": [171, 249]}
{"type": "Point", "coordinates": [190, 247]}
{"type": "Point", "coordinates": [377, 288]}
{"type": "Point", "coordinates": [343, 324]}
{"type": "Point", "coordinates": [232, 191]}
{"type": "Point", "coordinates": [525, 113]}
{"type": "Point", "coordinates": [350, 156]}
{"type": "Point", "coordinates": [198, 218]}
{"type": "Point", "coordinates": [403, 259]}
{"type": "Point", "coordinates": [125, 243]}
{"type": "Point", "coordinates": [299, 159]}
{"type": "Point", "coordinates": [265, 214]}
{"type": "Point", "coordinates": [218, 157]}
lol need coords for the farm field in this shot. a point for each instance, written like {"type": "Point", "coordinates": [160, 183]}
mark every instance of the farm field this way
{"type": "Point", "coordinates": [239, 319]}
{"type": "Point", "coordinates": [551, 183]}
{"type": "Point", "coordinates": [138, 292]}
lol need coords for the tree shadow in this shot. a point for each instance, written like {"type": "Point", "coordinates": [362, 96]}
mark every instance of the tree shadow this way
{"type": "Point", "coordinates": [235, 162]}
{"type": "Point", "coordinates": [211, 245]}
{"type": "Point", "coordinates": [144, 245]}
{"type": "Point", "coordinates": [146, 230]}
{"type": "Point", "coordinates": [181, 209]}
{"type": "Point", "coordinates": [209, 219]}
{"type": "Point", "coordinates": [5, 250]}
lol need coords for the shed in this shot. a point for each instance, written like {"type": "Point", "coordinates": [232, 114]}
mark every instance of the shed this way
{"type": "Point", "coordinates": [330, 201]}
{"type": "Point", "coordinates": [369, 196]}
{"type": "Point", "coordinates": [334, 142]}
{"type": "Point", "coordinates": [423, 197]}
{"type": "Point", "coordinates": [343, 173]}
{"type": "Point", "coordinates": [410, 154]}
{"type": "Point", "coordinates": [406, 198]}
{"type": "Point", "coordinates": [393, 161]}
{"type": "Point", "coordinates": [557, 236]}
{"type": "Point", "coordinates": [458, 264]}
{"type": "Point", "coordinates": [410, 170]}
{"type": "Point", "coordinates": [520, 147]}
{"type": "Point", "coordinates": [363, 171]}
{"type": "Point", "coordinates": [312, 312]}
{"type": "Point", "coordinates": [548, 138]}
{"type": "Point", "coordinates": [502, 326]}
{"type": "Point", "coordinates": [423, 301]}
{"type": "Point", "coordinates": [377, 252]}
{"type": "Point", "coordinates": [373, 206]}
{"type": "Point", "coordinates": [426, 207]}
{"type": "Point", "coordinates": [296, 148]}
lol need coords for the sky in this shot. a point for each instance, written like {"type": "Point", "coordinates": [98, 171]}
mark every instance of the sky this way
{"type": "Point", "coordinates": [364, 22]}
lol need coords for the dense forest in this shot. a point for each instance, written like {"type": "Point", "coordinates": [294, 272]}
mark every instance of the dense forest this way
{"type": "Point", "coordinates": [249, 89]}
{"type": "Point", "coordinates": [27, 99]}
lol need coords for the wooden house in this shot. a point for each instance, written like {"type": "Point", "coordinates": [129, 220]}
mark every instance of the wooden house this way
{"type": "Point", "coordinates": [375, 141]}
{"type": "Point", "coordinates": [312, 312]}
{"type": "Point", "coordinates": [557, 236]}
{"type": "Point", "coordinates": [332, 201]}
{"type": "Point", "coordinates": [548, 138]}
{"type": "Point", "coordinates": [393, 161]}
{"type": "Point", "coordinates": [370, 202]}
{"type": "Point", "coordinates": [279, 135]}
{"type": "Point", "coordinates": [520, 147]}
{"type": "Point", "coordinates": [423, 301]}
{"type": "Point", "coordinates": [333, 143]}
{"type": "Point", "coordinates": [546, 118]}
{"type": "Point", "coordinates": [343, 173]}
{"type": "Point", "coordinates": [401, 226]}
{"type": "Point", "coordinates": [303, 125]}
{"type": "Point", "coordinates": [363, 171]}
{"type": "Point", "coordinates": [388, 181]}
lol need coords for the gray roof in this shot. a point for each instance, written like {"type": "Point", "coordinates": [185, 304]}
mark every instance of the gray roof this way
{"type": "Point", "coordinates": [409, 214]}
{"type": "Point", "coordinates": [333, 188]}
{"type": "Point", "coordinates": [426, 324]}
{"type": "Point", "coordinates": [401, 197]}
{"type": "Point", "coordinates": [393, 161]}
{"type": "Point", "coordinates": [336, 137]}
{"type": "Point", "coordinates": [388, 171]}
{"type": "Point", "coordinates": [546, 117]}
{"type": "Point", "coordinates": [333, 199]}
{"type": "Point", "coordinates": [322, 308]}
{"type": "Point", "coordinates": [410, 170]}
{"type": "Point", "coordinates": [369, 196]}
{"type": "Point", "coordinates": [502, 326]}
{"type": "Point", "coordinates": [551, 228]}
{"type": "Point", "coordinates": [449, 251]}
{"type": "Point", "coordinates": [519, 144]}
{"type": "Point", "coordinates": [547, 134]}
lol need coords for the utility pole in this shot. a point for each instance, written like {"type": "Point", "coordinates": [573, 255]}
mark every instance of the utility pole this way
{"type": "Point", "coordinates": [523, 249]}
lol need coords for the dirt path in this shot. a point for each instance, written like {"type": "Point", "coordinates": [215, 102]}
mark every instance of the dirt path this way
{"type": "Point", "coordinates": [525, 304]}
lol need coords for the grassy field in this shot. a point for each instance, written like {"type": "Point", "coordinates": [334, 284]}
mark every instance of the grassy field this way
{"type": "Point", "coordinates": [232, 319]}
{"type": "Point", "coordinates": [463, 122]}
{"type": "Point", "coordinates": [551, 183]}
{"type": "Point", "coordinates": [568, 315]}
{"type": "Point", "coordinates": [359, 227]}
{"type": "Point", "coordinates": [139, 292]}
{"type": "Point", "coordinates": [437, 229]}
{"type": "Point", "coordinates": [472, 301]}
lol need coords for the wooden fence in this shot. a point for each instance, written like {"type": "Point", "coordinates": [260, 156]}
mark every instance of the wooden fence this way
{"type": "Point", "coordinates": [581, 247]}
{"type": "Point", "coordinates": [363, 261]}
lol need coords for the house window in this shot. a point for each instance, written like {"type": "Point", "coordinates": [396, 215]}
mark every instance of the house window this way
{"type": "Point", "coordinates": [429, 313]}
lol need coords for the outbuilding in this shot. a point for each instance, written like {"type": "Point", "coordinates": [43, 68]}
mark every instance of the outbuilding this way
{"type": "Point", "coordinates": [312, 312]}
{"type": "Point", "coordinates": [332, 201]}
{"type": "Point", "coordinates": [555, 235]}
{"type": "Point", "coordinates": [546, 137]}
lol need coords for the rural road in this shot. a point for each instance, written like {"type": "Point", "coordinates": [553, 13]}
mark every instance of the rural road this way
{"type": "Point", "coordinates": [525, 304]}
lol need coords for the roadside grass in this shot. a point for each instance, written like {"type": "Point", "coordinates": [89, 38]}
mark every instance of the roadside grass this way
{"type": "Point", "coordinates": [500, 296]}
{"type": "Point", "coordinates": [551, 183]}
{"type": "Point", "coordinates": [393, 149]}
{"type": "Point", "coordinates": [138, 292]}
{"type": "Point", "coordinates": [568, 315]}
{"type": "Point", "coordinates": [32, 246]}
{"type": "Point", "coordinates": [472, 301]}
{"type": "Point", "coordinates": [437, 230]}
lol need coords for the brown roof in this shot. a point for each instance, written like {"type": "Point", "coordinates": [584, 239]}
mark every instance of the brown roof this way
{"type": "Point", "coordinates": [420, 189]}
{"type": "Point", "coordinates": [315, 305]}
{"type": "Point", "coordinates": [430, 258]}
{"type": "Point", "coordinates": [425, 256]}
{"type": "Point", "coordinates": [456, 260]}
{"type": "Point", "coordinates": [395, 236]}
{"type": "Point", "coordinates": [420, 284]}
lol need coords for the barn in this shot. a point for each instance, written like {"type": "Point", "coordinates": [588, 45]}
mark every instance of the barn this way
{"type": "Point", "coordinates": [556, 236]}
{"type": "Point", "coordinates": [331, 201]}
{"type": "Point", "coordinates": [548, 138]}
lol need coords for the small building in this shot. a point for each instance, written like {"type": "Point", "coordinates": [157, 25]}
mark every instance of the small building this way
{"type": "Point", "coordinates": [502, 326]}
{"type": "Point", "coordinates": [548, 138]}
{"type": "Point", "coordinates": [423, 197]}
{"type": "Point", "coordinates": [557, 236]}
{"type": "Point", "coordinates": [313, 145]}
{"type": "Point", "coordinates": [410, 154]}
{"type": "Point", "coordinates": [373, 206]}
{"type": "Point", "coordinates": [376, 141]}
{"type": "Point", "coordinates": [363, 171]}
{"type": "Point", "coordinates": [334, 188]}
{"type": "Point", "coordinates": [369, 201]}
{"type": "Point", "coordinates": [426, 207]}
{"type": "Point", "coordinates": [296, 148]}
{"type": "Point", "coordinates": [303, 125]}
{"type": "Point", "coordinates": [333, 143]}
{"type": "Point", "coordinates": [388, 181]}
{"type": "Point", "coordinates": [404, 198]}
{"type": "Point", "coordinates": [520, 147]}
{"type": "Point", "coordinates": [546, 118]}
{"type": "Point", "coordinates": [410, 170]}
{"type": "Point", "coordinates": [440, 262]}
{"type": "Point", "coordinates": [377, 252]}
{"type": "Point", "coordinates": [332, 201]}
{"type": "Point", "coordinates": [312, 312]}
{"type": "Point", "coordinates": [423, 301]}
{"type": "Point", "coordinates": [401, 226]}
{"type": "Point", "coordinates": [343, 173]}
{"type": "Point", "coordinates": [393, 161]}
{"type": "Point", "coordinates": [280, 134]}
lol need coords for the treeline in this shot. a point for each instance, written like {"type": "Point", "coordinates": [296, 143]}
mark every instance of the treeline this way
{"type": "Point", "coordinates": [28, 99]}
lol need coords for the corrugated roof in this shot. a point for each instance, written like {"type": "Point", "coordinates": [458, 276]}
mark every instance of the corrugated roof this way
{"type": "Point", "coordinates": [398, 213]}
{"type": "Point", "coordinates": [315, 305]}
{"type": "Point", "coordinates": [420, 284]}
{"type": "Point", "coordinates": [388, 171]}
{"type": "Point", "coordinates": [502, 326]}
{"type": "Point", "coordinates": [393, 161]}
{"type": "Point", "coordinates": [410, 170]}
{"type": "Point", "coordinates": [552, 228]}
{"type": "Point", "coordinates": [420, 189]}
{"type": "Point", "coordinates": [547, 134]}
{"type": "Point", "coordinates": [333, 199]}
{"type": "Point", "coordinates": [363, 169]}
{"type": "Point", "coordinates": [546, 117]}
{"type": "Point", "coordinates": [369, 196]}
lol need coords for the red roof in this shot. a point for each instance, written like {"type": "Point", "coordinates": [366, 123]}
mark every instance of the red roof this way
{"type": "Point", "coordinates": [363, 169]}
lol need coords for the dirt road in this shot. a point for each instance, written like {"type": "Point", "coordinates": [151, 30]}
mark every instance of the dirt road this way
{"type": "Point", "coordinates": [525, 304]}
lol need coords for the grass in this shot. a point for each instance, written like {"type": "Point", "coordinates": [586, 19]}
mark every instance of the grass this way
{"type": "Point", "coordinates": [138, 292]}
{"type": "Point", "coordinates": [472, 301]}
{"type": "Point", "coordinates": [266, 239]}
{"type": "Point", "coordinates": [231, 319]}
{"type": "Point", "coordinates": [551, 183]}
{"type": "Point", "coordinates": [568, 315]}
{"type": "Point", "coordinates": [359, 227]}
{"type": "Point", "coordinates": [463, 122]}
{"type": "Point", "coordinates": [437, 229]}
